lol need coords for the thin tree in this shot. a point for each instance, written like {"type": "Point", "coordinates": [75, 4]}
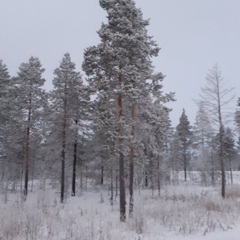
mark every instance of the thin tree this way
{"type": "Point", "coordinates": [79, 111]}
{"type": "Point", "coordinates": [185, 134]}
{"type": "Point", "coordinates": [216, 96]}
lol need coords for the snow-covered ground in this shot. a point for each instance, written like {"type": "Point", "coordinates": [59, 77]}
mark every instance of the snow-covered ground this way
{"type": "Point", "coordinates": [186, 211]}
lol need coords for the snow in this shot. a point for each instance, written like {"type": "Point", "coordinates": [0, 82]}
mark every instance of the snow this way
{"type": "Point", "coordinates": [182, 212]}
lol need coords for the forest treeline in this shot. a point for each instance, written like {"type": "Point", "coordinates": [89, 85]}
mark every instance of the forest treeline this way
{"type": "Point", "coordinates": [115, 126]}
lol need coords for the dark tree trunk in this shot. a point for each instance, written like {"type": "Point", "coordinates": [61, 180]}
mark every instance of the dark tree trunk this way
{"type": "Point", "coordinates": [26, 165]}
{"type": "Point", "coordinates": [121, 157]}
{"type": "Point", "coordinates": [63, 152]}
{"type": "Point", "coordinates": [74, 163]}
{"type": "Point", "coordinates": [222, 163]}
{"type": "Point", "coordinates": [102, 174]}
{"type": "Point", "coordinates": [146, 179]}
{"type": "Point", "coordinates": [212, 170]}
{"type": "Point", "coordinates": [74, 169]}
{"type": "Point", "coordinates": [132, 153]}
{"type": "Point", "coordinates": [63, 173]}
{"type": "Point", "coordinates": [111, 187]}
{"type": "Point", "coordinates": [185, 167]}
{"type": "Point", "coordinates": [122, 188]}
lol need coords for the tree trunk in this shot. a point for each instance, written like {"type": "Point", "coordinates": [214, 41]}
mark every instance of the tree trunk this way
{"type": "Point", "coordinates": [121, 157]}
{"type": "Point", "coordinates": [111, 187]}
{"type": "Point", "coordinates": [74, 163]}
{"type": "Point", "coordinates": [132, 153]}
{"type": "Point", "coordinates": [102, 173]}
{"type": "Point", "coordinates": [185, 167]}
{"type": "Point", "coordinates": [222, 163]}
{"type": "Point", "coordinates": [230, 169]}
{"type": "Point", "coordinates": [146, 179]}
{"type": "Point", "coordinates": [122, 188]}
{"type": "Point", "coordinates": [74, 169]}
{"type": "Point", "coordinates": [26, 165]}
{"type": "Point", "coordinates": [63, 151]}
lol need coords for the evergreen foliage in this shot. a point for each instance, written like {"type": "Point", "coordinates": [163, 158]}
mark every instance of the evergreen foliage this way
{"type": "Point", "coordinates": [185, 134]}
{"type": "Point", "coordinates": [120, 70]}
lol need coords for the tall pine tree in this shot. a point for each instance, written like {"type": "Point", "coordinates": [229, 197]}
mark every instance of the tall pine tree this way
{"type": "Point", "coordinates": [119, 68]}
{"type": "Point", "coordinates": [69, 100]}
{"type": "Point", "coordinates": [29, 83]}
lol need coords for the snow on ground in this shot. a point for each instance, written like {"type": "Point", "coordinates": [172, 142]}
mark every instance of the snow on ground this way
{"type": "Point", "coordinates": [182, 212]}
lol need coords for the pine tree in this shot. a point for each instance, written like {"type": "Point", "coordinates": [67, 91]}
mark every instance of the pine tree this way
{"type": "Point", "coordinates": [29, 83]}
{"type": "Point", "coordinates": [4, 93]}
{"type": "Point", "coordinates": [119, 68]}
{"type": "Point", "coordinates": [4, 98]}
{"type": "Point", "coordinates": [69, 100]}
{"type": "Point", "coordinates": [185, 134]}
{"type": "Point", "coordinates": [176, 157]}
{"type": "Point", "coordinates": [4, 117]}
{"type": "Point", "coordinates": [155, 125]}
{"type": "Point", "coordinates": [202, 137]}
{"type": "Point", "coordinates": [79, 115]}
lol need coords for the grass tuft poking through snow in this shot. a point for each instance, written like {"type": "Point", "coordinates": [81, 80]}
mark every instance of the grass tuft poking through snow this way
{"type": "Point", "coordinates": [180, 210]}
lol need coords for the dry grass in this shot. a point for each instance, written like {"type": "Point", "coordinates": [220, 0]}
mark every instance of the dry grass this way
{"type": "Point", "coordinates": [233, 192]}
{"type": "Point", "coordinates": [186, 212]}
{"type": "Point", "coordinates": [181, 210]}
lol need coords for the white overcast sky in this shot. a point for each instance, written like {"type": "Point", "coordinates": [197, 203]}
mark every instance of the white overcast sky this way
{"type": "Point", "coordinates": [193, 36]}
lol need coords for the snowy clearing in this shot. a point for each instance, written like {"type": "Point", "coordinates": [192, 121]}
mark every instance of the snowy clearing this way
{"type": "Point", "coordinates": [181, 212]}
